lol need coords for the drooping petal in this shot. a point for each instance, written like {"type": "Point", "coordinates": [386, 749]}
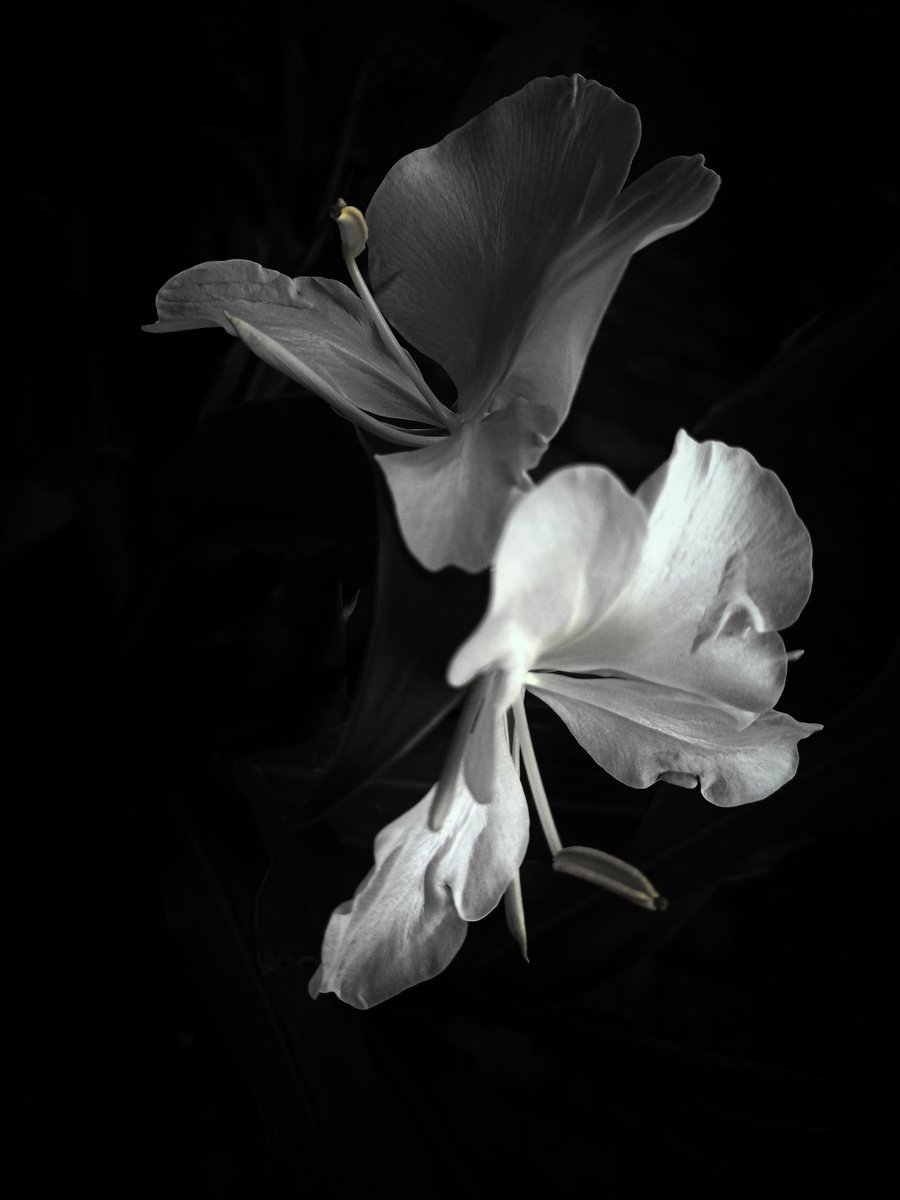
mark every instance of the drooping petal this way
{"type": "Point", "coordinates": [409, 916]}
{"type": "Point", "coordinates": [488, 766]}
{"type": "Point", "coordinates": [453, 497]}
{"type": "Point", "coordinates": [316, 331]}
{"type": "Point", "coordinates": [726, 561]}
{"type": "Point", "coordinates": [641, 733]}
{"type": "Point", "coordinates": [565, 553]}
{"type": "Point", "coordinates": [497, 251]}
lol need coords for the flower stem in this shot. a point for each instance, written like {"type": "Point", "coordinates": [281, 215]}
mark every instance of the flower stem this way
{"type": "Point", "coordinates": [541, 803]}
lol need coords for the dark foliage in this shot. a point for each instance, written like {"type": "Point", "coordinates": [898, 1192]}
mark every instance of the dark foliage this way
{"type": "Point", "coordinates": [223, 669]}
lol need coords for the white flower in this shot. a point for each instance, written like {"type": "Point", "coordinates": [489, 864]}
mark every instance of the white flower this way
{"type": "Point", "coordinates": [496, 253]}
{"type": "Point", "coordinates": [648, 623]}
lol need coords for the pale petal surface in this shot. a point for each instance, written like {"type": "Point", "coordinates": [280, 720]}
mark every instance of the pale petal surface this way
{"type": "Point", "coordinates": [564, 556]}
{"type": "Point", "coordinates": [319, 330]}
{"type": "Point", "coordinates": [453, 497]}
{"type": "Point", "coordinates": [409, 916]}
{"type": "Point", "coordinates": [497, 251]}
{"type": "Point", "coordinates": [725, 563]}
{"type": "Point", "coordinates": [640, 733]}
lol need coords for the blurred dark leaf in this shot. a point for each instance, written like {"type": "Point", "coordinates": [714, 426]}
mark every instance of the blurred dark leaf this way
{"type": "Point", "coordinates": [421, 618]}
{"type": "Point", "coordinates": [321, 1077]}
{"type": "Point", "coordinates": [45, 489]}
{"type": "Point", "coordinates": [288, 463]}
{"type": "Point", "coordinates": [543, 40]}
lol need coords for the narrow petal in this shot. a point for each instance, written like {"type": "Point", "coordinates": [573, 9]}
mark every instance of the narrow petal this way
{"type": "Point", "coordinates": [453, 497]}
{"type": "Point", "coordinates": [488, 766]}
{"type": "Point", "coordinates": [726, 562]}
{"type": "Point", "coordinates": [564, 555]}
{"type": "Point", "coordinates": [497, 250]}
{"type": "Point", "coordinates": [316, 331]}
{"type": "Point", "coordinates": [408, 918]}
{"type": "Point", "coordinates": [641, 734]}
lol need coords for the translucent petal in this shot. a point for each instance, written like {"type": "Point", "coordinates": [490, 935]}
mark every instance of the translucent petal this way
{"type": "Point", "coordinates": [497, 250]}
{"type": "Point", "coordinates": [323, 336]}
{"type": "Point", "coordinates": [566, 551]}
{"type": "Point", "coordinates": [453, 497]}
{"type": "Point", "coordinates": [488, 765]}
{"type": "Point", "coordinates": [408, 918]}
{"type": "Point", "coordinates": [726, 562]}
{"type": "Point", "coordinates": [641, 733]}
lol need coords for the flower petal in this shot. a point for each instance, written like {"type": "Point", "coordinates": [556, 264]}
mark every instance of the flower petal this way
{"type": "Point", "coordinates": [726, 561]}
{"type": "Point", "coordinates": [408, 918]}
{"type": "Point", "coordinates": [320, 333]}
{"type": "Point", "coordinates": [497, 251]}
{"type": "Point", "coordinates": [488, 766]}
{"type": "Point", "coordinates": [565, 553]}
{"type": "Point", "coordinates": [641, 734]}
{"type": "Point", "coordinates": [452, 497]}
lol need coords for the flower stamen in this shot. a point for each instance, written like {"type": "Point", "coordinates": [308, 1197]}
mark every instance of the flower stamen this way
{"type": "Point", "coordinates": [513, 907]}
{"type": "Point", "coordinates": [595, 866]}
{"type": "Point", "coordinates": [538, 794]}
{"type": "Point", "coordinates": [354, 234]}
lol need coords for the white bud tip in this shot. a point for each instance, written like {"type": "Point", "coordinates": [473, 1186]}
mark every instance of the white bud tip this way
{"type": "Point", "coordinates": [352, 227]}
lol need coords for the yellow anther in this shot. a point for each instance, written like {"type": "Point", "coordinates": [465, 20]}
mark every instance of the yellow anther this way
{"type": "Point", "coordinates": [352, 226]}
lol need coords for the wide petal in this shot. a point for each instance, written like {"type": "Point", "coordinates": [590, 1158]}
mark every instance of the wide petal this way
{"type": "Point", "coordinates": [453, 497]}
{"type": "Point", "coordinates": [726, 562]}
{"type": "Point", "coordinates": [565, 553]}
{"type": "Point", "coordinates": [408, 918]}
{"type": "Point", "coordinates": [497, 251]}
{"type": "Point", "coordinates": [316, 331]}
{"type": "Point", "coordinates": [641, 734]}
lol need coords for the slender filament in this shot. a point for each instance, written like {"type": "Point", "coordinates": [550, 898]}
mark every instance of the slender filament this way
{"type": "Point", "coordinates": [445, 418]}
{"type": "Point", "coordinates": [541, 803]}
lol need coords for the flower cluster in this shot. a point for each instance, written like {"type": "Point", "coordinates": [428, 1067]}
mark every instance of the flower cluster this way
{"type": "Point", "coordinates": [648, 622]}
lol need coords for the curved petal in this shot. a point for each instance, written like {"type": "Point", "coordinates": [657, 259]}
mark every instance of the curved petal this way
{"type": "Point", "coordinates": [641, 734]}
{"type": "Point", "coordinates": [488, 766]}
{"type": "Point", "coordinates": [726, 562]}
{"type": "Point", "coordinates": [488, 246]}
{"type": "Point", "coordinates": [408, 918]}
{"type": "Point", "coordinates": [564, 555]}
{"type": "Point", "coordinates": [316, 331]}
{"type": "Point", "coordinates": [453, 497]}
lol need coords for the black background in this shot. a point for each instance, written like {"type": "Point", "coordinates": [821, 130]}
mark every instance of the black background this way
{"type": "Point", "coordinates": [174, 564]}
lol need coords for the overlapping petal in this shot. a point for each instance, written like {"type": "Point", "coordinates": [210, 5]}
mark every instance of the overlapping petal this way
{"type": "Point", "coordinates": [409, 916]}
{"type": "Point", "coordinates": [316, 331]}
{"type": "Point", "coordinates": [497, 251]}
{"type": "Point", "coordinates": [725, 563]}
{"type": "Point", "coordinates": [453, 496]}
{"type": "Point", "coordinates": [565, 554]}
{"type": "Point", "coordinates": [641, 733]}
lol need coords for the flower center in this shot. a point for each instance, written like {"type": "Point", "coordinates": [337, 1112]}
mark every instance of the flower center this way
{"type": "Point", "coordinates": [354, 235]}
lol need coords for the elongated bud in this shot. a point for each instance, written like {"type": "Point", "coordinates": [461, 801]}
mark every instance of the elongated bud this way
{"type": "Point", "coordinates": [352, 227]}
